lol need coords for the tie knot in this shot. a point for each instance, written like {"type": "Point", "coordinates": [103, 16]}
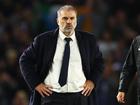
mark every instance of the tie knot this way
{"type": "Point", "coordinates": [68, 39]}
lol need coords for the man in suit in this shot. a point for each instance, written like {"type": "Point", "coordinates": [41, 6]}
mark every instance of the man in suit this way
{"type": "Point", "coordinates": [131, 69]}
{"type": "Point", "coordinates": [62, 67]}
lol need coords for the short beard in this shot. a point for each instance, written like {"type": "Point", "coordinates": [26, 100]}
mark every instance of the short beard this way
{"type": "Point", "coordinates": [68, 32]}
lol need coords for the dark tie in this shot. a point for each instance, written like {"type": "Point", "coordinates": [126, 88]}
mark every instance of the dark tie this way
{"type": "Point", "coordinates": [65, 63]}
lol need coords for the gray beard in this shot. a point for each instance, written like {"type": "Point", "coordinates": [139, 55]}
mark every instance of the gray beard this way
{"type": "Point", "coordinates": [67, 30]}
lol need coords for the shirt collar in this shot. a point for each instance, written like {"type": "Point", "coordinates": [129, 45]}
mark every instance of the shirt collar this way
{"type": "Point", "coordinates": [63, 36]}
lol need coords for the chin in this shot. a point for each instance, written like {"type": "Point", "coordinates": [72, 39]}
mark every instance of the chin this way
{"type": "Point", "coordinates": [68, 30]}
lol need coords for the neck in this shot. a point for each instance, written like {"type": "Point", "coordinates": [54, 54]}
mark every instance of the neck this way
{"type": "Point", "coordinates": [68, 33]}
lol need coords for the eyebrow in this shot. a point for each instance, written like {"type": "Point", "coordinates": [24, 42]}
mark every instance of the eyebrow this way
{"type": "Point", "coordinates": [68, 17]}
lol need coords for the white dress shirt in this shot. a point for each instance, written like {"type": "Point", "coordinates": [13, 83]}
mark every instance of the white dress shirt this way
{"type": "Point", "coordinates": [76, 77]}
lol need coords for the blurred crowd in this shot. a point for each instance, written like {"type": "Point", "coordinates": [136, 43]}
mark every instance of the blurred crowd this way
{"type": "Point", "coordinates": [114, 22]}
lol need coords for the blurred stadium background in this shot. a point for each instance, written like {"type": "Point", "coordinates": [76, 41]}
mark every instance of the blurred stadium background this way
{"type": "Point", "coordinates": [114, 22]}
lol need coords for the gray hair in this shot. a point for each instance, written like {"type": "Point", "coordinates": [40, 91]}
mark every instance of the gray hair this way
{"type": "Point", "coordinates": [66, 7]}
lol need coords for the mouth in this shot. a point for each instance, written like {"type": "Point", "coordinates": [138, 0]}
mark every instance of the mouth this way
{"type": "Point", "coordinates": [69, 27]}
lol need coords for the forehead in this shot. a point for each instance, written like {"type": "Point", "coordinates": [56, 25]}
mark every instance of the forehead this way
{"type": "Point", "coordinates": [68, 13]}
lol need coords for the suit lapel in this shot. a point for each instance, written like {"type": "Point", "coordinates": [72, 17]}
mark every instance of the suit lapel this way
{"type": "Point", "coordinates": [53, 42]}
{"type": "Point", "coordinates": [49, 52]}
{"type": "Point", "coordinates": [82, 48]}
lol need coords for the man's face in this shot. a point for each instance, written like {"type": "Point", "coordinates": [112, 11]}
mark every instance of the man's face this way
{"type": "Point", "coordinates": [67, 21]}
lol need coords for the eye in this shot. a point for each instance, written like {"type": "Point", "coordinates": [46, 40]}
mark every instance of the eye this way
{"type": "Point", "coordinates": [65, 18]}
{"type": "Point", "coordinates": [72, 18]}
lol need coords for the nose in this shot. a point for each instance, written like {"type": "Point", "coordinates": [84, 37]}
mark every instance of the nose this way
{"type": "Point", "coordinates": [69, 21]}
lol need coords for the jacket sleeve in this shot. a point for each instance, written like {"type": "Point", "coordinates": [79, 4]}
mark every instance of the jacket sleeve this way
{"type": "Point", "coordinates": [27, 63]}
{"type": "Point", "coordinates": [129, 69]}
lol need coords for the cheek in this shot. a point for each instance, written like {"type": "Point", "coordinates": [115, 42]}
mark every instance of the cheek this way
{"type": "Point", "coordinates": [62, 23]}
{"type": "Point", "coordinates": [74, 23]}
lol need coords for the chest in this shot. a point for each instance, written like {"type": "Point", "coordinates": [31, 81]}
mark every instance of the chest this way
{"type": "Point", "coordinates": [74, 51]}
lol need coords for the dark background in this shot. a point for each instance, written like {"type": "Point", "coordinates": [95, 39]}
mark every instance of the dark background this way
{"type": "Point", "coordinates": [114, 22]}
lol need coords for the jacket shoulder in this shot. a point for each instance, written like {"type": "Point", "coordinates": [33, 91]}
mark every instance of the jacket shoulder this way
{"type": "Point", "coordinates": [44, 35]}
{"type": "Point", "coordinates": [137, 38]}
{"type": "Point", "coordinates": [87, 35]}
